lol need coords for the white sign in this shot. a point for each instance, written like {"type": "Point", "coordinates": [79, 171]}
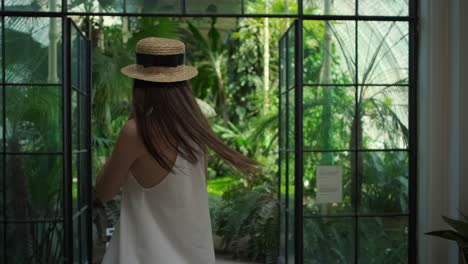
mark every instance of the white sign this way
{"type": "Point", "coordinates": [109, 232]}
{"type": "Point", "coordinates": [329, 184]}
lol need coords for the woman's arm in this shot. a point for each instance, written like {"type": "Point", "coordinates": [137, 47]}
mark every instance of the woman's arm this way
{"type": "Point", "coordinates": [126, 151]}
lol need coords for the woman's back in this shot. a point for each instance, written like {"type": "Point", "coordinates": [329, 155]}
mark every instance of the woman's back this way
{"type": "Point", "coordinates": [164, 223]}
{"type": "Point", "coordinates": [164, 216]}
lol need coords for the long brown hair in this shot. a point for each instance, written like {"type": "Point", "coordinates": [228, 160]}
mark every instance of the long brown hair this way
{"type": "Point", "coordinates": [167, 113]}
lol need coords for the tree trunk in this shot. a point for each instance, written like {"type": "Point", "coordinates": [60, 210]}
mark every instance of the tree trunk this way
{"type": "Point", "coordinates": [327, 110]}
{"type": "Point", "coordinates": [125, 32]}
{"type": "Point", "coordinates": [266, 65]}
{"type": "Point", "coordinates": [101, 31]}
{"type": "Point", "coordinates": [356, 158]}
{"type": "Point", "coordinates": [107, 120]}
{"type": "Point", "coordinates": [222, 94]}
{"type": "Point", "coordinates": [53, 38]}
{"type": "Point", "coordinates": [325, 78]}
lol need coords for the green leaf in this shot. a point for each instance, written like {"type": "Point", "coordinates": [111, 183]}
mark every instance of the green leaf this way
{"type": "Point", "coordinates": [464, 216]}
{"type": "Point", "coordinates": [447, 234]}
{"type": "Point", "coordinates": [458, 225]}
{"type": "Point", "coordinates": [199, 38]}
{"type": "Point", "coordinates": [214, 36]}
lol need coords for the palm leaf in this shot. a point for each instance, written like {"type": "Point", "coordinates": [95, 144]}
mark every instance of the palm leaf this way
{"type": "Point", "coordinates": [448, 234]}
{"type": "Point", "coordinates": [460, 226]}
{"type": "Point", "coordinates": [206, 109]}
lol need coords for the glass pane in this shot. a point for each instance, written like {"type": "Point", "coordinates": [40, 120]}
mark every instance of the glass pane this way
{"type": "Point", "coordinates": [311, 161]}
{"type": "Point", "coordinates": [283, 171]}
{"type": "Point", "coordinates": [385, 182]}
{"type": "Point", "coordinates": [75, 114]}
{"type": "Point", "coordinates": [330, 7]}
{"type": "Point", "coordinates": [109, 6]}
{"type": "Point", "coordinates": [383, 52]}
{"type": "Point", "coordinates": [328, 117]}
{"type": "Point", "coordinates": [214, 6]}
{"type": "Point", "coordinates": [86, 72]}
{"type": "Point", "coordinates": [34, 186]}
{"type": "Point", "coordinates": [329, 52]}
{"type": "Point", "coordinates": [282, 236]}
{"type": "Point", "coordinates": [2, 126]}
{"type": "Point", "coordinates": [290, 59]}
{"type": "Point", "coordinates": [290, 203]}
{"type": "Point", "coordinates": [39, 243]}
{"type": "Point", "coordinates": [33, 5]}
{"type": "Point", "coordinates": [283, 123]}
{"type": "Point", "coordinates": [84, 237]}
{"type": "Point", "coordinates": [83, 180]}
{"type": "Point", "coordinates": [80, 192]}
{"type": "Point", "coordinates": [34, 116]}
{"type": "Point", "coordinates": [83, 67]}
{"type": "Point", "coordinates": [282, 206]}
{"type": "Point", "coordinates": [76, 177]}
{"type": "Point", "coordinates": [83, 122]}
{"type": "Point", "coordinates": [384, 117]}
{"type": "Point", "coordinates": [329, 240]}
{"type": "Point", "coordinates": [76, 239]}
{"type": "Point", "coordinates": [32, 52]}
{"type": "Point", "coordinates": [1, 47]}
{"type": "Point", "coordinates": [270, 7]}
{"type": "Point", "coordinates": [160, 6]}
{"type": "Point", "coordinates": [2, 189]}
{"type": "Point", "coordinates": [78, 65]}
{"type": "Point", "coordinates": [75, 57]}
{"type": "Point", "coordinates": [282, 64]}
{"type": "Point", "coordinates": [291, 135]}
{"type": "Point", "coordinates": [383, 240]}
{"type": "Point", "coordinates": [383, 7]}
{"type": "Point", "coordinates": [2, 242]}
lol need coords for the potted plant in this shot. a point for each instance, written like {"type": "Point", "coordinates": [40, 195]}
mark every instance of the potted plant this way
{"type": "Point", "coordinates": [459, 234]}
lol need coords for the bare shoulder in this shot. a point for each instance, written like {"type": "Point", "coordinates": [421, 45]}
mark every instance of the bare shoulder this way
{"type": "Point", "coordinates": [129, 132]}
{"type": "Point", "coordinates": [130, 128]}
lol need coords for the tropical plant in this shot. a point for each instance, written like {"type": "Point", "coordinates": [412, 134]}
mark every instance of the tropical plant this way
{"type": "Point", "coordinates": [250, 212]}
{"type": "Point", "coordinates": [33, 124]}
{"type": "Point", "coordinates": [337, 117]}
{"type": "Point", "coordinates": [211, 56]}
{"type": "Point", "coordinates": [458, 233]}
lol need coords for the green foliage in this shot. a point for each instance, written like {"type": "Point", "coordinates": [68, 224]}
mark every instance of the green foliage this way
{"type": "Point", "coordinates": [230, 64]}
{"type": "Point", "coordinates": [250, 211]}
{"type": "Point", "coordinates": [217, 186]}
{"type": "Point", "coordinates": [248, 131]}
{"type": "Point", "coordinates": [34, 181]}
{"type": "Point", "coordinates": [459, 233]}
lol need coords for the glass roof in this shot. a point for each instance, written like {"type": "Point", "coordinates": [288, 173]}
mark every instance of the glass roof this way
{"type": "Point", "coordinates": [229, 7]}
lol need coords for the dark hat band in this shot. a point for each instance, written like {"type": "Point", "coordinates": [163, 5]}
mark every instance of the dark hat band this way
{"type": "Point", "coordinates": [150, 60]}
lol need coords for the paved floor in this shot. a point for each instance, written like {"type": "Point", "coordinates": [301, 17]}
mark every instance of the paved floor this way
{"type": "Point", "coordinates": [226, 260]}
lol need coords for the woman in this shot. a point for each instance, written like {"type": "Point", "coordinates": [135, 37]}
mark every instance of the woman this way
{"type": "Point", "coordinates": [160, 163]}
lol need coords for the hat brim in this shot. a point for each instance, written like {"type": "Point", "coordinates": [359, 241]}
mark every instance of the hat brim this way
{"type": "Point", "coordinates": [185, 72]}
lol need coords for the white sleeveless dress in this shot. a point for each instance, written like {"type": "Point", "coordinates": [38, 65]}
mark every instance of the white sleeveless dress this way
{"type": "Point", "coordinates": [166, 224]}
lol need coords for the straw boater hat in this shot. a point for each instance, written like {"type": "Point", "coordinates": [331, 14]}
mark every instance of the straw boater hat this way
{"type": "Point", "coordinates": [160, 60]}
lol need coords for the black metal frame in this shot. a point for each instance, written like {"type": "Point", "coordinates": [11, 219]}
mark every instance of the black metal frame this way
{"type": "Point", "coordinates": [68, 201]}
{"type": "Point", "coordinates": [298, 149]}
{"type": "Point", "coordinates": [67, 152]}
{"type": "Point", "coordinates": [299, 145]}
{"type": "Point", "coordinates": [69, 89]}
{"type": "Point", "coordinates": [4, 225]}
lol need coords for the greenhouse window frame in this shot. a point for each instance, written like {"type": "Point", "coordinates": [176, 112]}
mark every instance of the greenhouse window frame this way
{"type": "Point", "coordinates": [412, 19]}
{"type": "Point", "coordinates": [412, 149]}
